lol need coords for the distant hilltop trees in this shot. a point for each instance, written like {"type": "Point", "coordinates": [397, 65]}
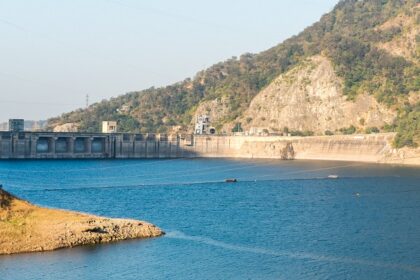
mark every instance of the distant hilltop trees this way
{"type": "Point", "coordinates": [372, 45]}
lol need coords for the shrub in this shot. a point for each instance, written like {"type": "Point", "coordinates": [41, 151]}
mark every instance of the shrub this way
{"type": "Point", "coordinates": [301, 133]}
{"type": "Point", "coordinates": [348, 130]}
{"type": "Point", "coordinates": [389, 127]}
{"type": "Point", "coordinates": [328, 132]}
{"type": "Point", "coordinates": [237, 128]}
{"type": "Point", "coordinates": [408, 127]}
{"type": "Point", "coordinates": [370, 130]}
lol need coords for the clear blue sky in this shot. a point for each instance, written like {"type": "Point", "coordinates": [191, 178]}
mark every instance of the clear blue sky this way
{"type": "Point", "coordinates": [53, 52]}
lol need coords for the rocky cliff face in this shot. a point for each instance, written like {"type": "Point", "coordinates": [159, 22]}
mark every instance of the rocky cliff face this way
{"type": "Point", "coordinates": [67, 127]}
{"type": "Point", "coordinates": [309, 97]}
{"type": "Point", "coordinates": [217, 110]}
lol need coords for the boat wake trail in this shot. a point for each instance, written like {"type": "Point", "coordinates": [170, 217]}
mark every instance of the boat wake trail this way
{"type": "Point", "coordinates": [292, 255]}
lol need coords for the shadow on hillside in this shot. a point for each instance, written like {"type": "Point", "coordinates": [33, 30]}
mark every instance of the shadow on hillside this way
{"type": "Point", "coordinates": [5, 199]}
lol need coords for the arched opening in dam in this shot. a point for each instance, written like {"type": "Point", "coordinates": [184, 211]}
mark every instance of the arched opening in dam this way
{"type": "Point", "coordinates": [98, 145]}
{"type": "Point", "coordinates": [80, 145]}
{"type": "Point", "coordinates": [43, 145]}
{"type": "Point", "coordinates": [62, 145]}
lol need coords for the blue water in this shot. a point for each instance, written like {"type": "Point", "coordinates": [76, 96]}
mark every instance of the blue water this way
{"type": "Point", "coordinates": [282, 220]}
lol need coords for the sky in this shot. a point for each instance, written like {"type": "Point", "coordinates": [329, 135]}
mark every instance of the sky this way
{"type": "Point", "coordinates": [55, 53]}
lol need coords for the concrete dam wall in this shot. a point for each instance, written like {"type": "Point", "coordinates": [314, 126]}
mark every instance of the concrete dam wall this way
{"type": "Point", "coordinates": [363, 148]}
{"type": "Point", "coordinates": [49, 145]}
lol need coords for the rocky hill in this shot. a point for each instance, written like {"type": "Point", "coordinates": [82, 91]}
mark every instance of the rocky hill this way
{"type": "Point", "coordinates": [28, 228]}
{"type": "Point", "coordinates": [356, 70]}
{"type": "Point", "coordinates": [309, 98]}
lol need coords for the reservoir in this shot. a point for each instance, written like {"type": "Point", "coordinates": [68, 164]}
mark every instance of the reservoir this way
{"type": "Point", "coordinates": [281, 220]}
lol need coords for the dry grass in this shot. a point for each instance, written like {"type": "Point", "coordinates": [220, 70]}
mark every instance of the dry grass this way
{"type": "Point", "coordinates": [26, 228]}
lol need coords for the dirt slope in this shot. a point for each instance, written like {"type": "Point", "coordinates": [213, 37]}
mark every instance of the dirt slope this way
{"type": "Point", "coordinates": [28, 228]}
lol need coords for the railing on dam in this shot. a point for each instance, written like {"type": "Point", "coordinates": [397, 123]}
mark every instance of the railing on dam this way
{"type": "Point", "coordinates": [55, 145]}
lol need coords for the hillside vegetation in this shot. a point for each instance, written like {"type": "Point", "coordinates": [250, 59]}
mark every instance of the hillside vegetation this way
{"type": "Point", "coordinates": [308, 99]}
{"type": "Point", "coordinates": [372, 46]}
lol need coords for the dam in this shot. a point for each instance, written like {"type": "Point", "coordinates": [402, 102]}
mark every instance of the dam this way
{"type": "Point", "coordinates": [65, 145]}
{"type": "Point", "coordinates": [79, 145]}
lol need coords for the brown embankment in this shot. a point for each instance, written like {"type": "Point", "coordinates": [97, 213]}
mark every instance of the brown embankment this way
{"type": "Point", "coordinates": [28, 228]}
{"type": "Point", "coordinates": [375, 148]}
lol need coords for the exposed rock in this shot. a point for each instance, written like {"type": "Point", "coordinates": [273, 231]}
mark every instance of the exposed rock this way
{"type": "Point", "coordinates": [28, 228]}
{"type": "Point", "coordinates": [309, 97]}
{"type": "Point", "coordinates": [409, 156]}
{"type": "Point", "coordinates": [217, 110]}
{"type": "Point", "coordinates": [67, 127]}
{"type": "Point", "coordinates": [288, 152]}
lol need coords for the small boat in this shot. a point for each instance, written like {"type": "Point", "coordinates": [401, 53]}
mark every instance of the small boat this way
{"type": "Point", "coordinates": [231, 180]}
{"type": "Point", "coordinates": [332, 177]}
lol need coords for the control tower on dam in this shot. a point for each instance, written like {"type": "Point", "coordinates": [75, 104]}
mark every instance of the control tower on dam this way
{"type": "Point", "coordinates": [69, 145]}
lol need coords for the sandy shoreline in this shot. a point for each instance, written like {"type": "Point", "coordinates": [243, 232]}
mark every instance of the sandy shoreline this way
{"type": "Point", "coordinates": [25, 227]}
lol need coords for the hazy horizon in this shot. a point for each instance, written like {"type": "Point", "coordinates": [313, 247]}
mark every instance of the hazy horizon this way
{"type": "Point", "coordinates": [55, 53]}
